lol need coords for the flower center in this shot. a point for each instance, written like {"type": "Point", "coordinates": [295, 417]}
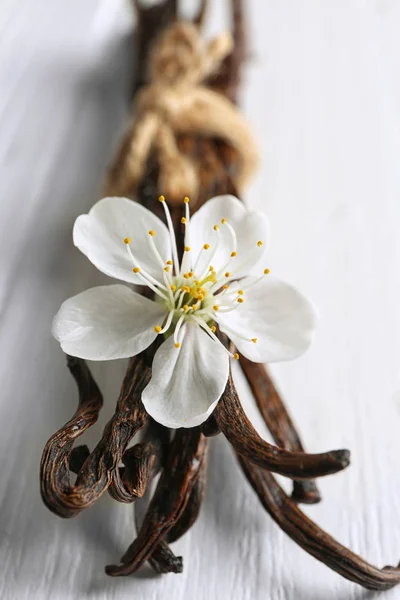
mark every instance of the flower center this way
{"type": "Point", "coordinates": [194, 290]}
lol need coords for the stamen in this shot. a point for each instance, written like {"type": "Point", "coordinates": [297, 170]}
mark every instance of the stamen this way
{"type": "Point", "coordinates": [206, 246]}
{"type": "Point", "coordinates": [169, 262]}
{"type": "Point", "coordinates": [223, 221]}
{"type": "Point", "coordinates": [185, 265]}
{"type": "Point", "coordinates": [177, 344]}
{"type": "Point", "coordinates": [238, 335]}
{"type": "Point", "coordinates": [234, 246]}
{"type": "Point", "coordinates": [152, 232]}
{"type": "Point", "coordinates": [236, 356]}
{"type": "Point", "coordinates": [211, 333]}
{"type": "Point", "coordinates": [177, 329]}
{"type": "Point", "coordinates": [161, 262]}
{"type": "Point", "coordinates": [172, 287]}
{"type": "Point", "coordinates": [171, 232]}
{"type": "Point", "coordinates": [158, 329]}
{"type": "Point", "coordinates": [240, 292]}
{"type": "Point", "coordinates": [168, 321]}
{"type": "Point", "coordinates": [127, 240]}
{"type": "Point", "coordinates": [144, 277]}
{"type": "Point", "coordinates": [240, 300]}
{"type": "Point", "coordinates": [213, 328]}
{"type": "Point", "coordinates": [227, 274]}
{"type": "Point", "coordinates": [259, 244]}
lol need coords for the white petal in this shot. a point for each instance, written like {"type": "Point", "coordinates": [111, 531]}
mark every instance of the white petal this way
{"type": "Point", "coordinates": [277, 314]}
{"type": "Point", "coordinates": [107, 322]}
{"type": "Point", "coordinates": [186, 383]}
{"type": "Point", "coordinates": [100, 236]}
{"type": "Point", "coordinates": [250, 228]}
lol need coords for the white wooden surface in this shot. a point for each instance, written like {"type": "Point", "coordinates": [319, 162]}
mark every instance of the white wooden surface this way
{"type": "Point", "coordinates": [323, 92]}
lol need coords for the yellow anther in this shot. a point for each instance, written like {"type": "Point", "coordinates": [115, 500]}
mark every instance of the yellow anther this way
{"type": "Point", "coordinates": [254, 340]}
{"type": "Point", "coordinates": [223, 221]}
{"type": "Point", "coordinates": [172, 287]}
{"type": "Point", "coordinates": [187, 248]}
{"type": "Point", "coordinates": [161, 198]}
{"type": "Point", "coordinates": [185, 288]}
{"type": "Point", "coordinates": [233, 254]}
{"type": "Point", "coordinates": [206, 246]}
{"type": "Point", "coordinates": [183, 220]}
{"type": "Point", "coordinates": [169, 262]}
{"type": "Point", "coordinates": [240, 292]}
{"type": "Point", "coordinates": [152, 232]}
{"type": "Point", "coordinates": [194, 306]}
{"type": "Point", "coordinates": [266, 271]}
{"type": "Point", "coordinates": [177, 345]}
{"type": "Point", "coordinates": [236, 356]}
{"type": "Point", "coordinates": [216, 227]}
{"type": "Point", "coordinates": [136, 269]}
{"type": "Point", "coordinates": [227, 274]}
{"type": "Point", "coordinates": [225, 287]}
{"type": "Point", "coordinates": [211, 268]}
{"type": "Point", "coordinates": [186, 275]}
{"type": "Point", "coordinates": [186, 199]}
{"type": "Point", "coordinates": [166, 269]}
{"type": "Point", "coordinates": [185, 308]}
{"type": "Point", "coordinates": [157, 328]}
{"type": "Point", "coordinates": [200, 297]}
{"type": "Point", "coordinates": [190, 273]}
{"type": "Point", "coordinates": [127, 240]}
{"type": "Point", "coordinates": [213, 328]}
{"type": "Point", "coordinates": [260, 243]}
{"type": "Point", "coordinates": [215, 307]}
{"type": "Point", "coordinates": [240, 300]}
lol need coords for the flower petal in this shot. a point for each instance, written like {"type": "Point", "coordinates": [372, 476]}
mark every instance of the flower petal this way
{"type": "Point", "coordinates": [100, 236]}
{"type": "Point", "coordinates": [277, 314]}
{"type": "Point", "coordinates": [186, 383]}
{"type": "Point", "coordinates": [107, 322]}
{"type": "Point", "coordinates": [250, 227]}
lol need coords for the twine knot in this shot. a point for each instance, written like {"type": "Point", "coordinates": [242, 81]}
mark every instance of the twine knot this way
{"type": "Point", "coordinates": [176, 102]}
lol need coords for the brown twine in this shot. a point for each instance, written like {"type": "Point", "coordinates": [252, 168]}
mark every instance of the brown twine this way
{"type": "Point", "coordinates": [176, 102]}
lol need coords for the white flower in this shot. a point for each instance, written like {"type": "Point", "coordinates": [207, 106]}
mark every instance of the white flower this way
{"type": "Point", "coordinates": [220, 280]}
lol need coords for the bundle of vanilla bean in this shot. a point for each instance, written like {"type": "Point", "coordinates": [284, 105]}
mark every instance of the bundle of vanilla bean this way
{"type": "Point", "coordinates": [200, 147]}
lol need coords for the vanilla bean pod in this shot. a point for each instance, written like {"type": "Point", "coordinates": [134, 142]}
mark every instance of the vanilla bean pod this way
{"type": "Point", "coordinates": [162, 559]}
{"type": "Point", "coordinates": [279, 422]}
{"type": "Point", "coordinates": [169, 501]}
{"type": "Point", "coordinates": [312, 538]}
{"type": "Point", "coordinates": [94, 476]}
{"type": "Point", "coordinates": [191, 512]}
{"type": "Point", "coordinates": [237, 428]}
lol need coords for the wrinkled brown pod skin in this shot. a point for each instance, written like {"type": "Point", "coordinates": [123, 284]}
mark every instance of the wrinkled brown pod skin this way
{"type": "Point", "coordinates": [176, 503]}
